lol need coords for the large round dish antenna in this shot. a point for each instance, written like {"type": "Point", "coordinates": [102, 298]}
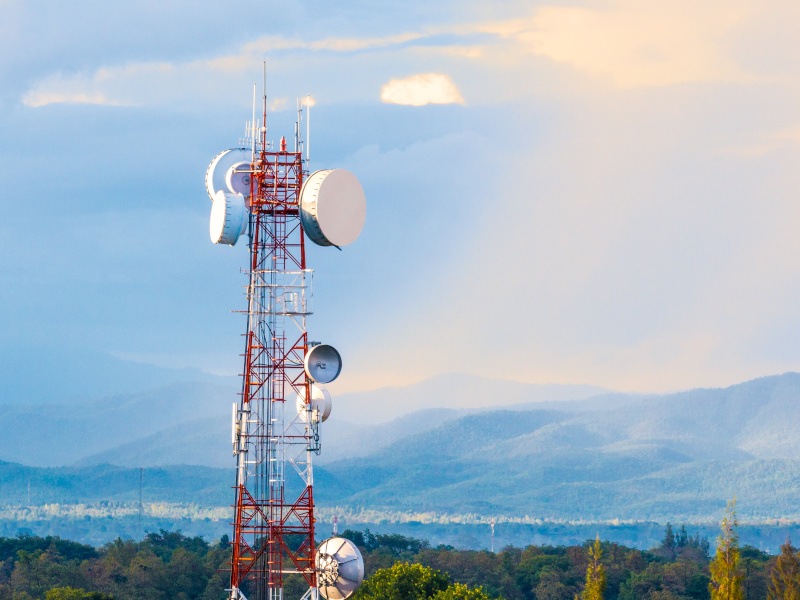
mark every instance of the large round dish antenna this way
{"type": "Point", "coordinates": [320, 406]}
{"type": "Point", "coordinates": [229, 218]}
{"type": "Point", "coordinates": [340, 568]}
{"type": "Point", "coordinates": [323, 363]}
{"type": "Point", "coordinates": [229, 172]}
{"type": "Point", "coordinates": [333, 207]}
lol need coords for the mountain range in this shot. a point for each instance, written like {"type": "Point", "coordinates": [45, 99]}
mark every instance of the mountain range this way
{"type": "Point", "coordinates": [477, 447]}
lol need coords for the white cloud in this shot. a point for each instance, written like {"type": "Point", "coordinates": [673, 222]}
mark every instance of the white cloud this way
{"type": "Point", "coordinates": [198, 81]}
{"type": "Point", "coordinates": [272, 43]}
{"type": "Point", "coordinates": [628, 43]}
{"type": "Point", "coordinates": [128, 85]}
{"type": "Point", "coordinates": [37, 98]}
{"type": "Point", "coordinates": [422, 89]}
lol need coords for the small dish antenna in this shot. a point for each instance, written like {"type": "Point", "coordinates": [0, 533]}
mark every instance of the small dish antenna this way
{"type": "Point", "coordinates": [320, 408]}
{"type": "Point", "coordinates": [333, 207]}
{"type": "Point", "coordinates": [229, 172]}
{"type": "Point", "coordinates": [323, 363]}
{"type": "Point", "coordinates": [340, 568]}
{"type": "Point", "coordinates": [229, 218]}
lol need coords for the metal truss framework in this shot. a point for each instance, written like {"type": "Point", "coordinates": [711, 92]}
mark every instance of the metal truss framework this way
{"type": "Point", "coordinates": [274, 534]}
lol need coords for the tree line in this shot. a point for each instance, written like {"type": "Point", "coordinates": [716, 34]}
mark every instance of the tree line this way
{"type": "Point", "coordinates": [171, 566]}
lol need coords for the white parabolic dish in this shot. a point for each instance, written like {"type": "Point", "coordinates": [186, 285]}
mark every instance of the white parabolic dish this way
{"type": "Point", "coordinates": [333, 207]}
{"type": "Point", "coordinates": [340, 567]}
{"type": "Point", "coordinates": [320, 402]}
{"type": "Point", "coordinates": [229, 171]}
{"type": "Point", "coordinates": [229, 218]}
{"type": "Point", "coordinates": [323, 363]}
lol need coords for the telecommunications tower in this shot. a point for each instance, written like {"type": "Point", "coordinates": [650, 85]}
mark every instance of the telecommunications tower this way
{"type": "Point", "coordinates": [266, 193]}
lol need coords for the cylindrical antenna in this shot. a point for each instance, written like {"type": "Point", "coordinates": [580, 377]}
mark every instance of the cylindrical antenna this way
{"type": "Point", "coordinates": [264, 119]}
{"type": "Point", "coordinates": [308, 132]}
{"type": "Point", "coordinates": [234, 423]}
{"type": "Point", "coordinates": [297, 126]}
{"type": "Point", "coordinates": [253, 125]}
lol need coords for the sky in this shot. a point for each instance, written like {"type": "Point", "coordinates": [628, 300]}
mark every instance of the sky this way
{"type": "Point", "coordinates": [599, 192]}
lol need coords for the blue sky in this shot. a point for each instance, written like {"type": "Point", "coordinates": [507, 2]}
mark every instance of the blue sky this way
{"type": "Point", "coordinates": [558, 192]}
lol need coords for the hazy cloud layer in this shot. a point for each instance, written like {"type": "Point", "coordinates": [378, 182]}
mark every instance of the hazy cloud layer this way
{"type": "Point", "coordinates": [599, 192]}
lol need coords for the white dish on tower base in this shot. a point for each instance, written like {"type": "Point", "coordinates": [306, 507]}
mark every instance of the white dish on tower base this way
{"type": "Point", "coordinates": [340, 568]}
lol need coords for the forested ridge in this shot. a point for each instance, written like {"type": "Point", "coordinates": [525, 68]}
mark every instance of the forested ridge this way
{"type": "Point", "coordinates": [170, 565]}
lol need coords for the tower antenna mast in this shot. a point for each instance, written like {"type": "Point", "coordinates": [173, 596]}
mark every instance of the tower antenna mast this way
{"type": "Point", "coordinates": [263, 191]}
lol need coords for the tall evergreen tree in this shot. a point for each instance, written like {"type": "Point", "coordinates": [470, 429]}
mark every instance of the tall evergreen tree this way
{"type": "Point", "coordinates": [682, 538]}
{"type": "Point", "coordinates": [726, 576]}
{"type": "Point", "coordinates": [784, 581]}
{"type": "Point", "coordinates": [595, 573]}
{"type": "Point", "coordinates": [668, 543]}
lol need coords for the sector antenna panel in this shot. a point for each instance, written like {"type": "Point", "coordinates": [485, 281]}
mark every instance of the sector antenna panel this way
{"type": "Point", "coordinates": [333, 207]}
{"type": "Point", "coordinates": [340, 568]}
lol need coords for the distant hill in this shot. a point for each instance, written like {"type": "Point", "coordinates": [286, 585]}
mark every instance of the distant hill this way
{"type": "Point", "coordinates": [452, 391]}
{"type": "Point", "coordinates": [62, 434]}
{"type": "Point", "coordinates": [108, 483]}
{"type": "Point", "coordinates": [613, 456]}
{"type": "Point", "coordinates": [679, 455]}
{"type": "Point", "coordinates": [189, 423]}
{"type": "Point", "coordinates": [76, 376]}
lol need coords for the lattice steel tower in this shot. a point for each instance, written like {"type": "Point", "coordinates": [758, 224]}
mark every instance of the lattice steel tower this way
{"type": "Point", "coordinates": [267, 194]}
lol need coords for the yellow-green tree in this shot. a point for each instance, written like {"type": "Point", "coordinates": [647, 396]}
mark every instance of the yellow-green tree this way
{"type": "Point", "coordinates": [459, 591]}
{"type": "Point", "coordinates": [69, 593]}
{"type": "Point", "coordinates": [595, 573]}
{"type": "Point", "coordinates": [403, 581]}
{"type": "Point", "coordinates": [726, 576]}
{"type": "Point", "coordinates": [412, 581]}
{"type": "Point", "coordinates": [785, 576]}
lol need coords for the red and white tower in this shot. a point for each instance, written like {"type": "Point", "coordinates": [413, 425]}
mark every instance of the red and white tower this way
{"type": "Point", "coordinates": [267, 194]}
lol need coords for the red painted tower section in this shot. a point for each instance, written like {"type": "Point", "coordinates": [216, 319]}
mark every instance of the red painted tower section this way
{"type": "Point", "coordinates": [273, 529]}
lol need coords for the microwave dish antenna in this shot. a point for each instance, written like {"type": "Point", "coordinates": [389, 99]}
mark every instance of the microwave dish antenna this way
{"type": "Point", "coordinates": [229, 171]}
{"type": "Point", "coordinates": [229, 218]}
{"type": "Point", "coordinates": [340, 568]}
{"type": "Point", "coordinates": [323, 363]}
{"type": "Point", "coordinates": [319, 409]}
{"type": "Point", "coordinates": [333, 207]}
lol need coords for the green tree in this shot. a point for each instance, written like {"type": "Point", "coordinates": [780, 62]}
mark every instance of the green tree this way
{"type": "Point", "coordinates": [595, 573]}
{"type": "Point", "coordinates": [682, 538]}
{"type": "Point", "coordinates": [784, 581]}
{"type": "Point", "coordinates": [642, 584]}
{"type": "Point", "coordinates": [70, 593]}
{"type": "Point", "coordinates": [459, 591]}
{"type": "Point", "coordinates": [36, 572]}
{"type": "Point", "coordinates": [551, 587]}
{"type": "Point", "coordinates": [403, 581]}
{"type": "Point", "coordinates": [755, 569]}
{"type": "Point", "coordinates": [726, 576]}
{"type": "Point", "coordinates": [668, 544]}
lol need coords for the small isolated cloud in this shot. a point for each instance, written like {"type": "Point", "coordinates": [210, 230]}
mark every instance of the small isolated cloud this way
{"type": "Point", "coordinates": [422, 89]}
{"type": "Point", "coordinates": [37, 98]}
